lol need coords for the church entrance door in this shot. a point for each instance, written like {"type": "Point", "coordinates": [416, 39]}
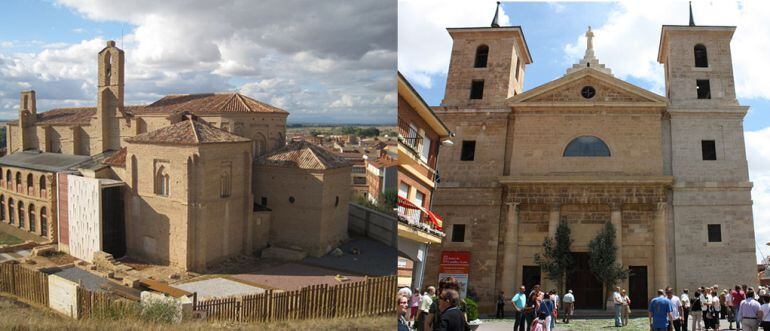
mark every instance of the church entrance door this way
{"type": "Point", "coordinates": [588, 291]}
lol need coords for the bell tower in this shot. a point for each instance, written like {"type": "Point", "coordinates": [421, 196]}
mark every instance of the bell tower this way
{"type": "Point", "coordinates": [27, 120]}
{"type": "Point", "coordinates": [486, 66]}
{"type": "Point", "coordinates": [109, 104]}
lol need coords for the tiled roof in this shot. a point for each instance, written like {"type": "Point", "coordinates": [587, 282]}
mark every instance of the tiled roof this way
{"type": "Point", "coordinates": [209, 103]}
{"type": "Point", "coordinates": [303, 155]}
{"type": "Point", "coordinates": [118, 159]}
{"type": "Point", "coordinates": [71, 116]}
{"type": "Point", "coordinates": [43, 161]}
{"type": "Point", "coordinates": [190, 131]}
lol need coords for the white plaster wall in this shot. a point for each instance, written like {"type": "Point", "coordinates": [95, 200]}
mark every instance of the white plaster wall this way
{"type": "Point", "coordinates": [84, 210]}
{"type": "Point", "coordinates": [62, 296]}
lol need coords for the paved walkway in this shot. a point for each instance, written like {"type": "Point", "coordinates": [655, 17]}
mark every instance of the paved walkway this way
{"type": "Point", "coordinates": [14, 255]}
{"type": "Point", "coordinates": [218, 287]}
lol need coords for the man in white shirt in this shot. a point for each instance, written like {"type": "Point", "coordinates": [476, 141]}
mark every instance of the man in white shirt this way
{"type": "Point", "coordinates": [676, 312]}
{"type": "Point", "coordinates": [685, 308]}
{"type": "Point", "coordinates": [568, 306]}
{"type": "Point", "coordinates": [751, 312]}
{"type": "Point", "coordinates": [424, 308]}
{"type": "Point", "coordinates": [618, 301]}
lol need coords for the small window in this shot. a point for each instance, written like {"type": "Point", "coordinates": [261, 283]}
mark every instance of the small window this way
{"type": "Point", "coordinates": [709, 150]}
{"type": "Point", "coordinates": [458, 233]}
{"type": "Point", "coordinates": [704, 89]}
{"type": "Point", "coordinates": [715, 233]}
{"type": "Point", "coordinates": [482, 53]}
{"type": "Point", "coordinates": [477, 89]}
{"type": "Point", "coordinates": [701, 57]}
{"type": "Point", "coordinates": [587, 146]}
{"type": "Point", "coordinates": [291, 200]}
{"type": "Point", "coordinates": [336, 201]}
{"type": "Point", "coordinates": [468, 152]}
{"type": "Point", "coordinates": [263, 202]}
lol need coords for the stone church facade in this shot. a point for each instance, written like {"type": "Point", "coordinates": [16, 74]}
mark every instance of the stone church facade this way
{"type": "Point", "coordinates": [183, 181]}
{"type": "Point", "coordinates": [669, 172]}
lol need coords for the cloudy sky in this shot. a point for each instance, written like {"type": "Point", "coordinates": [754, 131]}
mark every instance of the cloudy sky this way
{"type": "Point", "coordinates": [626, 40]}
{"type": "Point", "coordinates": [323, 61]}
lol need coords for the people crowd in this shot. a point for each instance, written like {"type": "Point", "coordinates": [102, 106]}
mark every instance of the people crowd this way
{"type": "Point", "coordinates": [742, 308]}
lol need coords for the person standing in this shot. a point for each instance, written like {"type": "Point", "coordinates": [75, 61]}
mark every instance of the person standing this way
{"type": "Point", "coordinates": [696, 309]}
{"type": "Point", "coordinates": [519, 302]}
{"type": "Point", "coordinates": [533, 303]}
{"type": "Point", "coordinates": [659, 312]}
{"type": "Point", "coordinates": [547, 308]}
{"type": "Point", "coordinates": [738, 295]}
{"type": "Point", "coordinates": [425, 302]}
{"type": "Point", "coordinates": [403, 304]}
{"type": "Point", "coordinates": [708, 310]}
{"type": "Point", "coordinates": [626, 309]}
{"type": "Point", "coordinates": [451, 318]}
{"type": "Point", "coordinates": [618, 302]}
{"type": "Point", "coordinates": [686, 305]}
{"type": "Point", "coordinates": [750, 311]}
{"type": "Point", "coordinates": [500, 313]}
{"type": "Point", "coordinates": [765, 308]}
{"type": "Point", "coordinates": [717, 305]}
{"type": "Point", "coordinates": [676, 309]}
{"type": "Point", "coordinates": [568, 305]}
{"type": "Point", "coordinates": [555, 299]}
{"type": "Point", "coordinates": [414, 304]}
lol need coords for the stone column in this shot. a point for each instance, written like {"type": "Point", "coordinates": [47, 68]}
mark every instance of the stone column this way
{"type": "Point", "coordinates": [510, 249]}
{"type": "Point", "coordinates": [553, 218]}
{"type": "Point", "coordinates": [616, 218]}
{"type": "Point", "coordinates": [660, 241]}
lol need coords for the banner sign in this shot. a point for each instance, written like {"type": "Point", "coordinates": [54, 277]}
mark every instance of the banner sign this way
{"type": "Point", "coordinates": [456, 264]}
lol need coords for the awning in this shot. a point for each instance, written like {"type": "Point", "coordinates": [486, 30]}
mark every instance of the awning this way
{"type": "Point", "coordinates": [437, 221]}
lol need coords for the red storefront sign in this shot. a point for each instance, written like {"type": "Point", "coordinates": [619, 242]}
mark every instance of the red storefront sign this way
{"type": "Point", "coordinates": [457, 262]}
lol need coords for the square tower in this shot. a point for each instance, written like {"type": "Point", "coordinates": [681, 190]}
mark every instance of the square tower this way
{"type": "Point", "coordinates": [711, 219]}
{"type": "Point", "coordinates": [486, 66]}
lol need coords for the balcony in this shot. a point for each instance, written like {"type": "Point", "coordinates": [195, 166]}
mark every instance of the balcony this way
{"type": "Point", "coordinates": [420, 219]}
{"type": "Point", "coordinates": [409, 137]}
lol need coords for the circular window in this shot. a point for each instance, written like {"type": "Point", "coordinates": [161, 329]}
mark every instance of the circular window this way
{"type": "Point", "coordinates": [588, 92]}
{"type": "Point", "coordinates": [291, 199]}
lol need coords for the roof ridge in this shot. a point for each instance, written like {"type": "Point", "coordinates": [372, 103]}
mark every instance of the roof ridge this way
{"type": "Point", "coordinates": [194, 130]}
{"type": "Point", "coordinates": [240, 97]}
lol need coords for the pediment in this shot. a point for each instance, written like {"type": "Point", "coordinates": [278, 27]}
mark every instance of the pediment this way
{"type": "Point", "coordinates": [567, 91]}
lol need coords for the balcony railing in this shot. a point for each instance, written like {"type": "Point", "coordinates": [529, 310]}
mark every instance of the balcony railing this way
{"type": "Point", "coordinates": [412, 215]}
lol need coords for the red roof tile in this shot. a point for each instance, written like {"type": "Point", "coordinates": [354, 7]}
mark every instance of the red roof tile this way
{"type": "Point", "coordinates": [190, 131]}
{"type": "Point", "coordinates": [71, 116]}
{"type": "Point", "coordinates": [303, 155]}
{"type": "Point", "coordinates": [118, 159]}
{"type": "Point", "coordinates": [209, 103]}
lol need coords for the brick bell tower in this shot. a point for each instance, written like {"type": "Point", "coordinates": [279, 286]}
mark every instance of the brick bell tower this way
{"type": "Point", "coordinates": [27, 119]}
{"type": "Point", "coordinates": [109, 105]}
{"type": "Point", "coordinates": [711, 196]}
{"type": "Point", "coordinates": [486, 66]}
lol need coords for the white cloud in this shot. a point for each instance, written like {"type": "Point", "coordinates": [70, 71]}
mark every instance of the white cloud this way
{"type": "Point", "coordinates": [424, 45]}
{"type": "Point", "coordinates": [182, 46]}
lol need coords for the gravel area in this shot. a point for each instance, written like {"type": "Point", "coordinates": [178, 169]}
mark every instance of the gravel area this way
{"type": "Point", "coordinates": [294, 276]}
{"type": "Point", "coordinates": [218, 287]}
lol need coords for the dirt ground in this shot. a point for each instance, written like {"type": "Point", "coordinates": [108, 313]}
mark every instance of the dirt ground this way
{"type": "Point", "coordinates": [17, 315]}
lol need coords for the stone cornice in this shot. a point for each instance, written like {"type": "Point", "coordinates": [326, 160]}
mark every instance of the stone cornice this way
{"type": "Point", "coordinates": [588, 179]}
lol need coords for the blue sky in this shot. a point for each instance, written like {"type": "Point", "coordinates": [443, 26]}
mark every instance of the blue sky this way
{"type": "Point", "coordinates": [626, 40]}
{"type": "Point", "coordinates": [293, 55]}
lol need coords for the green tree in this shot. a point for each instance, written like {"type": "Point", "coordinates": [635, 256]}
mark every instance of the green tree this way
{"type": "Point", "coordinates": [557, 260]}
{"type": "Point", "coordinates": [602, 258]}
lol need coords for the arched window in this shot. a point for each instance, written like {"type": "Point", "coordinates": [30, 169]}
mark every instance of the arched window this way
{"type": "Point", "coordinates": [30, 181]}
{"type": "Point", "coordinates": [43, 185]}
{"type": "Point", "coordinates": [2, 207]}
{"type": "Point", "coordinates": [11, 211]}
{"type": "Point", "coordinates": [32, 218]}
{"type": "Point", "coordinates": [482, 53]}
{"type": "Point", "coordinates": [21, 215]}
{"type": "Point", "coordinates": [43, 222]}
{"type": "Point", "coordinates": [18, 181]}
{"type": "Point", "coordinates": [701, 56]}
{"type": "Point", "coordinates": [8, 179]}
{"type": "Point", "coordinates": [587, 146]}
{"type": "Point", "coordinates": [162, 182]}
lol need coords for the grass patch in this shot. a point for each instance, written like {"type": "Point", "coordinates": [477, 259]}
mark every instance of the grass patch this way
{"type": "Point", "coordinates": [7, 239]}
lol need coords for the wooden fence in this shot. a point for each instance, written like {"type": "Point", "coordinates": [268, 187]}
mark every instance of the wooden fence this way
{"type": "Point", "coordinates": [24, 283]}
{"type": "Point", "coordinates": [372, 296]}
{"type": "Point", "coordinates": [93, 303]}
